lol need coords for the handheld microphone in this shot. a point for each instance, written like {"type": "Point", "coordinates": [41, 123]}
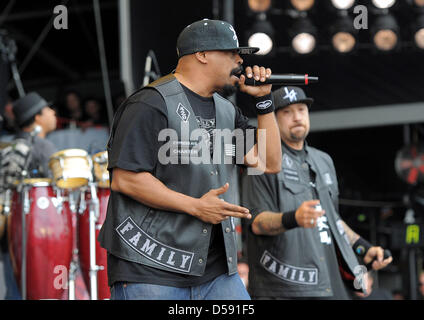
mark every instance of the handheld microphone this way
{"type": "Point", "coordinates": [284, 79]}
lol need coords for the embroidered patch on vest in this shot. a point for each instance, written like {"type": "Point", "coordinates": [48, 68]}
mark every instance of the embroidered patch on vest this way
{"type": "Point", "coordinates": [183, 112]}
{"type": "Point", "coordinates": [291, 174]}
{"type": "Point", "coordinates": [342, 231]}
{"type": "Point", "coordinates": [327, 179]}
{"type": "Point", "coordinates": [152, 249]}
{"type": "Point", "coordinates": [308, 276]}
{"type": "Point", "coordinates": [287, 160]}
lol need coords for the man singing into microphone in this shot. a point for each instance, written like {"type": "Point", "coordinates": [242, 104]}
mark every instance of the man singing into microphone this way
{"type": "Point", "coordinates": [169, 229]}
{"type": "Point", "coordinates": [298, 246]}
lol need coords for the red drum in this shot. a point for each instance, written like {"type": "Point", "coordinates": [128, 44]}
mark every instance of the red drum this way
{"type": "Point", "coordinates": [103, 291]}
{"type": "Point", "coordinates": [49, 240]}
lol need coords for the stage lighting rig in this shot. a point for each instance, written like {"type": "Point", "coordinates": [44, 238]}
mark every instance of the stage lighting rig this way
{"type": "Point", "coordinates": [261, 35]}
{"type": "Point", "coordinates": [303, 36]}
{"type": "Point", "coordinates": [417, 3]}
{"type": "Point", "coordinates": [383, 4]}
{"type": "Point", "coordinates": [302, 5]}
{"type": "Point", "coordinates": [343, 35]}
{"type": "Point", "coordinates": [385, 33]}
{"type": "Point", "coordinates": [343, 4]}
{"type": "Point", "coordinates": [259, 5]}
{"type": "Point", "coordinates": [418, 30]}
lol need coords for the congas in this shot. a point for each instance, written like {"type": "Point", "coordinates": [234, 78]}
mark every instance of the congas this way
{"type": "Point", "coordinates": [103, 291]}
{"type": "Point", "coordinates": [101, 174]}
{"type": "Point", "coordinates": [48, 243]}
{"type": "Point", "coordinates": [71, 168]}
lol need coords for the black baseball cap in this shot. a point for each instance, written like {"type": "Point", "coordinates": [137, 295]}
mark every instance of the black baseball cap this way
{"type": "Point", "coordinates": [208, 35]}
{"type": "Point", "coordinates": [286, 96]}
{"type": "Point", "coordinates": [28, 106]}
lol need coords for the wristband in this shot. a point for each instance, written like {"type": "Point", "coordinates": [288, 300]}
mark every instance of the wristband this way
{"type": "Point", "coordinates": [288, 220]}
{"type": "Point", "coordinates": [361, 246]}
{"type": "Point", "coordinates": [264, 104]}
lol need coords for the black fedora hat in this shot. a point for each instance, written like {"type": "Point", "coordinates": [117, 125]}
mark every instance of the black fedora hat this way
{"type": "Point", "coordinates": [28, 106]}
{"type": "Point", "coordinates": [286, 96]}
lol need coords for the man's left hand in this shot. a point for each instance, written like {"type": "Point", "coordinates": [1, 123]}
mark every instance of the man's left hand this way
{"type": "Point", "coordinates": [260, 74]}
{"type": "Point", "coordinates": [378, 253]}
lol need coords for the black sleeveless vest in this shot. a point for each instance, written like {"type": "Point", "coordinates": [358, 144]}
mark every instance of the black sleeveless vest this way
{"type": "Point", "coordinates": [173, 241]}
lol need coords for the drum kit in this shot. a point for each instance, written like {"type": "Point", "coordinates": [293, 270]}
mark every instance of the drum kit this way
{"type": "Point", "coordinates": [53, 225]}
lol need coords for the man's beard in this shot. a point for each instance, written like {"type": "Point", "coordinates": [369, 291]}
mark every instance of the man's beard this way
{"type": "Point", "coordinates": [298, 137]}
{"type": "Point", "coordinates": [229, 89]}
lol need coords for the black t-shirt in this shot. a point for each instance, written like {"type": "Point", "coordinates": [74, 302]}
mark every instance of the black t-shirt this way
{"type": "Point", "coordinates": [135, 148]}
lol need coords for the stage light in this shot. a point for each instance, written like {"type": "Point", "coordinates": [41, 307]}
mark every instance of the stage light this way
{"type": "Point", "coordinates": [303, 36]}
{"type": "Point", "coordinates": [304, 43]}
{"type": "Point", "coordinates": [302, 5]}
{"type": "Point", "coordinates": [262, 41]}
{"type": "Point", "coordinates": [385, 33]}
{"type": "Point", "coordinates": [383, 4]}
{"type": "Point", "coordinates": [343, 42]}
{"type": "Point", "coordinates": [259, 5]}
{"type": "Point", "coordinates": [261, 35]}
{"type": "Point", "coordinates": [343, 35]}
{"type": "Point", "coordinates": [342, 4]}
{"type": "Point", "coordinates": [385, 40]}
{"type": "Point", "coordinates": [419, 3]}
{"type": "Point", "coordinates": [418, 30]}
{"type": "Point", "coordinates": [419, 38]}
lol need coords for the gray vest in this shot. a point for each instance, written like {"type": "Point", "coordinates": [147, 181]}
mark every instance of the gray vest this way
{"type": "Point", "coordinates": [292, 264]}
{"type": "Point", "coordinates": [166, 240]}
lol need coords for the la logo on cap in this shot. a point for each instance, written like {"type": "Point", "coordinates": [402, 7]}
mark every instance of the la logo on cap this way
{"type": "Point", "coordinates": [291, 95]}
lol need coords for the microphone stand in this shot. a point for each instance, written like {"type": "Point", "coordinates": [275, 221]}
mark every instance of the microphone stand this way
{"type": "Point", "coordinates": [8, 49]}
{"type": "Point", "coordinates": [93, 216]}
{"type": "Point", "coordinates": [151, 57]}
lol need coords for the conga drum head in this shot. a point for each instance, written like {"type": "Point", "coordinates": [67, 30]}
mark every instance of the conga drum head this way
{"type": "Point", "coordinates": [70, 168]}
{"type": "Point", "coordinates": [35, 182]}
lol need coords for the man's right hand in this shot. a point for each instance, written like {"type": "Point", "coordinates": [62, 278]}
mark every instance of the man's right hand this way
{"type": "Point", "coordinates": [306, 215]}
{"type": "Point", "coordinates": [211, 209]}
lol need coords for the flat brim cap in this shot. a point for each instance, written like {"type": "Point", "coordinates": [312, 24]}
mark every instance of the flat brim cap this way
{"type": "Point", "coordinates": [27, 106]}
{"type": "Point", "coordinates": [286, 96]}
{"type": "Point", "coordinates": [210, 35]}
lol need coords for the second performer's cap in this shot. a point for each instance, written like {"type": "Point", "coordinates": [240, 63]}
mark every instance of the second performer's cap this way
{"type": "Point", "coordinates": [286, 96]}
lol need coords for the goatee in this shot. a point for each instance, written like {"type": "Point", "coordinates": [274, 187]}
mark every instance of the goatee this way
{"type": "Point", "coordinates": [298, 138]}
{"type": "Point", "coordinates": [228, 90]}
